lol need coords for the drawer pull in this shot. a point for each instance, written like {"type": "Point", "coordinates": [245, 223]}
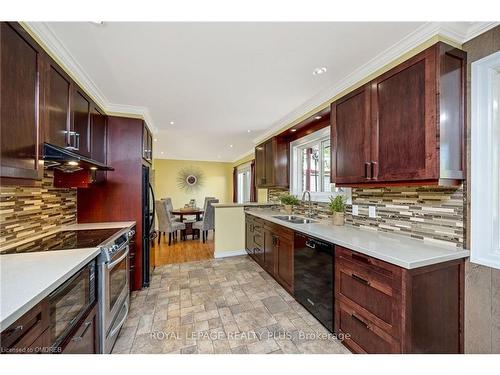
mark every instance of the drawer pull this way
{"type": "Point", "coordinates": [360, 279]}
{"type": "Point", "coordinates": [360, 321]}
{"type": "Point", "coordinates": [311, 244]}
{"type": "Point", "coordinates": [360, 258]}
{"type": "Point", "coordinates": [80, 338]}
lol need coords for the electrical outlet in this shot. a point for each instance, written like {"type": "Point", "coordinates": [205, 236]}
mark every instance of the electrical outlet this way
{"type": "Point", "coordinates": [355, 209]}
{"type": "Point", "coordinates": [372, 212]}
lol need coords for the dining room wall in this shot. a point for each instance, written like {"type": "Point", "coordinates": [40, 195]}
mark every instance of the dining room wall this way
{"type": "Point", "coordinates": [217, 181]}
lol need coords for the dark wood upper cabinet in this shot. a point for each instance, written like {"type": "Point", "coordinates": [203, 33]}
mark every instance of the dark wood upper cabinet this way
{"type": "Point", "coordinates": [350, 137]}
{"type": "Point", "coordinates": [147, 144]}
{"type": "Point", "coordinates": [98, 124]}
{"type": "Point", "coordinates": [20, 72]}
{"type": "Point", "coordinates": [80, 129]}
{"type": "Point", "coordinates": [404, 121]}
{"type": "Point", "coordinates": [271, 163]}
{"type": "Point", "coordinates": [406, 126]}
{"type": "Point", "coordinates": [56, 119]}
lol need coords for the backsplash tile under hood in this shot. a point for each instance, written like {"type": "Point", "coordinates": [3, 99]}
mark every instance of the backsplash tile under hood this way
{"type": "Point", "coordinates": [27, 211]}
{"type": "Point", "coordinates": [428, 213]}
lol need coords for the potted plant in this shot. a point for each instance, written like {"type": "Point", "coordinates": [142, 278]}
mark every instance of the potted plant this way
{"type": "Point", "coordinates": [337, 206]}
{"type": "Point", "coordinates": [289, 201]}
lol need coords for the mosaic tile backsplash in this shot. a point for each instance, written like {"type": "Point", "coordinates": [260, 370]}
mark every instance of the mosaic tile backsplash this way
{"type": "Point", "coordinates": [428, 213]}
{"type": "Point", "coordinates": [34, 210]}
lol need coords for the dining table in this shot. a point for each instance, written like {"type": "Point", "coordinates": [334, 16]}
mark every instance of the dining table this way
{"type": "Point", "coordinates": [181, 212]}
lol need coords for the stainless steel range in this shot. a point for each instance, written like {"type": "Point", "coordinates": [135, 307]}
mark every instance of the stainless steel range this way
{"type": "Point", "coordinates": [113, 286]}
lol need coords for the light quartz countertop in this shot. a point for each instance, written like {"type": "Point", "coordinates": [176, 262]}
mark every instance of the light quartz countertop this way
{"type": "Point", "coordinates": [104, 225]}
{"type": "Point", "coordinates": [248, 204]}
{"type": "Point", "coordinates": [392, 248]}
{"type": "Point", "coordinates": [27, 278]}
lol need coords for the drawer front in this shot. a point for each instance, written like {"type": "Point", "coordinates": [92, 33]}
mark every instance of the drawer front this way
{"type": "Point", "coordinates": [385, 273]}
{"type": "Point", "coordinates": [364, 335]}
{"type": "Point", "coordinates": [377, 295]}
{"type": "Point", "coordinates": [83, 341]}
{"type": "Point", "coordinates": [23, 333]}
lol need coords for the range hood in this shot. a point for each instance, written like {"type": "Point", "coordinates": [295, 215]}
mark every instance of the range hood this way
{"type": "Point", "coordinates": [67, 161]}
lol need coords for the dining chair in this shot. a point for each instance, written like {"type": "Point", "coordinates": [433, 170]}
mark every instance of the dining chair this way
{"type": "Point", "coordinates": [208, 221]}
{"type": "Point", "coordinates": [165, 222]}
{"type": "Point", "coordinates": [170, 207]}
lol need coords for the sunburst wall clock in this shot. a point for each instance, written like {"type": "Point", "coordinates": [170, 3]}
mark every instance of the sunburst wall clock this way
{"type": "Point", "coordinates": [190, 179]}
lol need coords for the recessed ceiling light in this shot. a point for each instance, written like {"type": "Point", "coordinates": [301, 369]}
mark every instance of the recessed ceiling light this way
{"type": "Point", "coordinates": [162, 152]}
{"type": "Point", "coordinates": [317, 117]}
{"type": "Point", "coordinates": [293, 130]}
{"type": "Point", "coordinates": [231, 146]}
{"type": "Point", "coordinates": [93, 168]}
{"type": "Point", "coordinates": [319, 71]}
{"type": "Point", "coordinates": [171, 122]}
{"type": "Point", "coordinates": [155, 139]}
{"type": "Point", "coordinates": [72, 163]}
{"type": "Point", "coordinates": [248, 131]}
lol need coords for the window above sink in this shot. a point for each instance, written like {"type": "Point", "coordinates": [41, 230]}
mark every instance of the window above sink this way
{"type": "Point", "coordinates": [310, 167]}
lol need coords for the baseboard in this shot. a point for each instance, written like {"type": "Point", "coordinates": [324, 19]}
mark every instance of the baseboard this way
{"type": "Point", "coordinates": [225, 254]}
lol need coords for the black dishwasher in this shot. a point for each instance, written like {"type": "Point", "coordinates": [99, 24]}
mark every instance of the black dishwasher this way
{"type": "Point", "coordinates": [313, 277]}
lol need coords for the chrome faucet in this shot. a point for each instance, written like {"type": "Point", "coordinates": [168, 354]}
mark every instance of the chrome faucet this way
{"type": "Point", "coordinates": [310, 213]}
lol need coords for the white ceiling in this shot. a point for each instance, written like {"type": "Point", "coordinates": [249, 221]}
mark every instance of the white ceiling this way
{"type": "Point", "coordinates": [216, 81]}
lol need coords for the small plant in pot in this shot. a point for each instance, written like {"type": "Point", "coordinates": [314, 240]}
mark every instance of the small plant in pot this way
{"type": "Point", "coordinates": [337, 206]}
{"type": "Point", "coordinates": [288, 201]}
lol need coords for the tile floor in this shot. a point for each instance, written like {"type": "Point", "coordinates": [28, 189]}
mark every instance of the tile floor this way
{"type": "Point", "coordinates": [225, 306]}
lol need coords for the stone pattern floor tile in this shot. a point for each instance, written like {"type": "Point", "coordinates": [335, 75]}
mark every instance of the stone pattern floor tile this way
{"type": "Point", "coordinates": [220, 306]}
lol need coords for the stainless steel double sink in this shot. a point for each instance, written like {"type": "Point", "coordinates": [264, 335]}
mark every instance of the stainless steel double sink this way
{"type": "Point", "coordinates": [294, 219]}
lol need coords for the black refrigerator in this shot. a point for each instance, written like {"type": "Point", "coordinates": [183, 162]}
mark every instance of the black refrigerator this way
{"type": "Point", "coordinates": [148, 225]}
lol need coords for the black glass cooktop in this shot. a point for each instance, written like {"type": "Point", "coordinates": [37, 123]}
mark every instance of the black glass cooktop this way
{"type": "Point", "coordinates": [66, 240]}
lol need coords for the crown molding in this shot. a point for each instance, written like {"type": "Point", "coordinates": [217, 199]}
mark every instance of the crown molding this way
{"type": "Point", "coordinates": [244, 155]}
{"type": "Point", "coordinates": [453, 32]}
{"type": "Point", "coordinates": [46, 37]}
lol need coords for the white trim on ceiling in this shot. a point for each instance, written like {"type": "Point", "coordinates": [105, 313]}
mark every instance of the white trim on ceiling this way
{"type": "Point", "coordinates": [451, 31]}
{"type": "Point", "coordinates": [44, 34]}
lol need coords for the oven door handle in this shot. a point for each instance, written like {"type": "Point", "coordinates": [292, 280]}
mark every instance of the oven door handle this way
{"type": "Point", "coordinates": [115, 262]}
{"type": "Point", "coordinates": [119, 325]}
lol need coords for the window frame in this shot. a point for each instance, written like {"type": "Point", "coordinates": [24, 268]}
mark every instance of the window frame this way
{"type": "Point", "coordinates": [318, 137]}
{"type": "Point", "coordinates": [245, 168]}
{"type": "Point", "coordinates": [485, 163]}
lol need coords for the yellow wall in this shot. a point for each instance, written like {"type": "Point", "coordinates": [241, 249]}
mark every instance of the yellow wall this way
{"type": "Point", "coordinates": [218, 181]}
{"type": "Point", "coordinates": [230, 237]}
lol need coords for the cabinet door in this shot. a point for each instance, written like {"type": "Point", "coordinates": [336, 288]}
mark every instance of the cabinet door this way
{"type": "Point", "coordinates": [56, 120]}
{"type": "Point", "coordinates": [81, 123]}
{"type": "Point", "coordinates": [249, 236]}
{"type": "Point", "coordinates": [350, 137]}
{"type": "Point", "coordinates": [98, 135]}
{"type": "Point", "coordinates": [269, 147]}
{"type": "Point", "coordinates": [20, 105]}
{"type": "Point", "coordinates": [404, 121]}
{"type": "Point", "coordinates": [84, 340]}
{"type": "Point", "coordinates": [284, 269]}
{"type": "Point", "coordinates": [260, 165]}
{"type": "Point", "coordinates": [270, 240]}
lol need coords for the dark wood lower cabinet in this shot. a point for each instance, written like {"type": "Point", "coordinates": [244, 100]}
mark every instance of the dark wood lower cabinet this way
{"type": "Point", "coordinates": [84, 340]}
{"type": "Point", "coordinates": [388, 309]}
{"type": "Point", "coordinates": [28, 334]}
{"type": "Point", "coordinates": [379, 307]}
{"type": "Point", "coordinates": [271, 246]}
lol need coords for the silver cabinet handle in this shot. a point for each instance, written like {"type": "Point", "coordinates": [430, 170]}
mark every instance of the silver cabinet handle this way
{"type": "Point", "coordinates": [119, 325]}
{"type": "Point", "coordinates": [80, 338]}
{"type": "Point", "coordinates": [114, 263]}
